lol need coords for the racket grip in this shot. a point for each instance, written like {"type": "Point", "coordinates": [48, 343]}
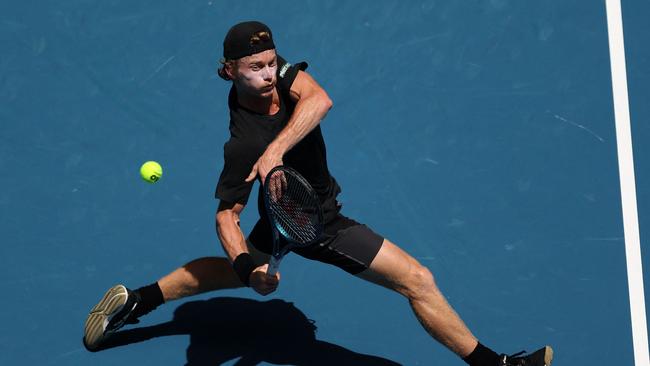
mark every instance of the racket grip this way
{"type": "Point", "coordinates": [274, 264]}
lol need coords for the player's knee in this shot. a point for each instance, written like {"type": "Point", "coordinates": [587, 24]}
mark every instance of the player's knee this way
{"type": "Point", "coordinates": [421, 282]}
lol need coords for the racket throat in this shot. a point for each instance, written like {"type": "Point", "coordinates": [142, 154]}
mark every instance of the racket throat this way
{"type": "Point", "coordinates": [274, 264]}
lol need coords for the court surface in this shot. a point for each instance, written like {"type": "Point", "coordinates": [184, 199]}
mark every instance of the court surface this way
{"type": "Point", "coordinates": [477, 135]}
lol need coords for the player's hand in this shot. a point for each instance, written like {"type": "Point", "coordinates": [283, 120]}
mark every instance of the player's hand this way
{"type": "Point", "coordinates": [264, 164]}
{"type": "Point", "coordinates": [277, 185]}
{"type": "Point", "coordinates": [262, 283]}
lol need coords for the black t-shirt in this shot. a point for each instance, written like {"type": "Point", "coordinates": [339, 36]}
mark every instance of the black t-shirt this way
{"type": "Point", "coordinates": [251, 133]}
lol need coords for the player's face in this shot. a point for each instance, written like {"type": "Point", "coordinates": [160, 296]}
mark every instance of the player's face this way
{"type": "Point", "coordinates": [256, 73]}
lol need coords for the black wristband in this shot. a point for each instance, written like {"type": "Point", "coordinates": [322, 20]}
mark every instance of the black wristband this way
{"type": "Point", "coordinates": [244, 266]}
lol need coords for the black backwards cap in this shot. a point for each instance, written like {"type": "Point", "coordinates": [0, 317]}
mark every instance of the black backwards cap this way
{"type": "Point", "coordinates": [247, 38]}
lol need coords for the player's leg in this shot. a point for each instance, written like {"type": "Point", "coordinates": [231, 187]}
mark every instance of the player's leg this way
{"type": "Point", "coordinates": [120, 306]}
{"type": "Point", "coordinates": [204, 275]}
{"type": "Point", "coordinates": [395, 269]}
{"type": "Point", "coordinates": [358, 250]}
{"type": "Point", "coordinates": [198, 276]}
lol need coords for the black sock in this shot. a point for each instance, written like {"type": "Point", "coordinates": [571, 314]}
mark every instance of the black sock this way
{"type": "Point", "coordinates": [482, 356]}
{"type": "Point", "coordinates": [148, 297]}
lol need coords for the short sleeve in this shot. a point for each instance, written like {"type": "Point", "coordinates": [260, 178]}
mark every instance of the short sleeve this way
{"type": "Point", "coordinates": [238, 162]}
{"type": "Point", "coordinates": [287, 72]}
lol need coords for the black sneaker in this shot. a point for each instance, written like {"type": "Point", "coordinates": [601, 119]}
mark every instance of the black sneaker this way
{"type": "Point", "coordinates": [541, 357]}
{"type": "Point", "coordinates": [109, 315]}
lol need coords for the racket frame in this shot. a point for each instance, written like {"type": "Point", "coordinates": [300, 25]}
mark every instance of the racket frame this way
{"type": "Point", "coordinates": [278, 233]}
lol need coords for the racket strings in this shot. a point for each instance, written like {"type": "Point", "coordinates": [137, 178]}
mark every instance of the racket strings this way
{"type": "Point", "coordinates": [296, 211]}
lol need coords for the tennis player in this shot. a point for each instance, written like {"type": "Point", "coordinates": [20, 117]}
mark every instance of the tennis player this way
{"type": "Point", "coordinates": [275, 114]}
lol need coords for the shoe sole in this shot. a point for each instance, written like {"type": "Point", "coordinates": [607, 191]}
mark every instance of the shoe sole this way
{"type": "Point", "coordinates": [100, 315]}
{"type": "Point", "coordinates": [548, 355]}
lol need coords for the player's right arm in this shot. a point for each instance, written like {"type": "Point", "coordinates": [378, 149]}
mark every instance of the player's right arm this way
{"type": "Point", "coordinates": [230, 234]}
{"type": "Point", "coordinates": [234, 244]}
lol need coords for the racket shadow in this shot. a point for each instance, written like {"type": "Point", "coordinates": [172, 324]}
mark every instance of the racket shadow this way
{"type": "Point", "coordinates": [227, 328]}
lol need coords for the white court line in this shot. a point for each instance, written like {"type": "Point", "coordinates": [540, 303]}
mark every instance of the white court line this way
{"type": "Point", "coordinates": [628, 186]}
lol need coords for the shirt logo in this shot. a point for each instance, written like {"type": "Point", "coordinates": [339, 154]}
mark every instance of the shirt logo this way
{"type": "Point", "coordinates": [284, 69]}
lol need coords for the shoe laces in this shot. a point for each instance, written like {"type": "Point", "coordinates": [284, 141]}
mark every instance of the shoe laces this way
{"type": "Point", "coordinates": [126, 315]}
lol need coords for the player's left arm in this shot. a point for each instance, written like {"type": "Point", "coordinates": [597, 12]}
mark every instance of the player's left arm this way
{"type": "Point", "coordinates": [312, 105]}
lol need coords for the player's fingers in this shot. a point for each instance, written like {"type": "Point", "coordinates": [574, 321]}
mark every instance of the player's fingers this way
{"type": "Point", "coordinates": [272, 280]}
{"type": "Point", "coordinates": [271, 289]}
{"type": "Point", "coordinates": [261, 173]}
{"type": "Point", "coordinates": [283, 180]}
{"type": "Point", "coordinates": [262, 169]}
{"type": "Point", "coordinates": [265, 269]}
{"type": "Point", "coordinates": [276, 188]}
{"type": "Point", "coordinates": [276, 193]}
{"type": "Point", "coordinates": [267, 288]}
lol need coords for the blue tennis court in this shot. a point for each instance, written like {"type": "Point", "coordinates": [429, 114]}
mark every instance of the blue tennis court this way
{"type": "Point", "coordinates": [477, 135]}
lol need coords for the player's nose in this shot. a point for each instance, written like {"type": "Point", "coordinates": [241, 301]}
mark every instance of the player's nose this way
{"type": "Point", "coordinates": [267, 74]}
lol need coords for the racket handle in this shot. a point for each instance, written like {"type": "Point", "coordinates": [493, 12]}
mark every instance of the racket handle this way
{"type": "Point", "coordinates": [274, 264]}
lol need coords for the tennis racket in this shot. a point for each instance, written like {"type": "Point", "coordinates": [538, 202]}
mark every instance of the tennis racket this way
{"type": "Point", "coordinates": [294, 212]}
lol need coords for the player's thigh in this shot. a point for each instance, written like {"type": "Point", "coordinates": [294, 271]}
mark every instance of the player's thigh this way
{"type": "Point", "coordinates": [395, 269]}
{"type": "Point", "coordinates": [347, 244]}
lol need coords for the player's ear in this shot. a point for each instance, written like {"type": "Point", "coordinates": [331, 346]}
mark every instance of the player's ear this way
{"type": "Point", "coordinates": [227, 69]}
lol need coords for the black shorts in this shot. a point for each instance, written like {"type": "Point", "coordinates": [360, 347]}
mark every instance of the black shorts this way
{"type": "Point", "coordinates": [346, 244]}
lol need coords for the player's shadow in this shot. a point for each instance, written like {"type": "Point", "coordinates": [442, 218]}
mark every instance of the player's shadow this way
{"type": "Point", "coordinates": [226, 328]}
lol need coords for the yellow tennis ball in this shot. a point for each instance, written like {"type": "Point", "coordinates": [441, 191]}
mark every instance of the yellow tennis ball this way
{"type": "Point", "coordinates": [151, 171]}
